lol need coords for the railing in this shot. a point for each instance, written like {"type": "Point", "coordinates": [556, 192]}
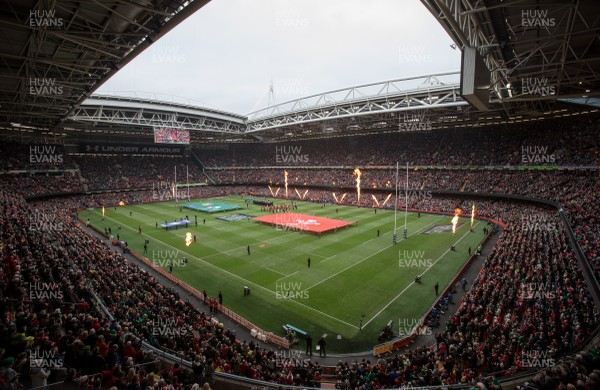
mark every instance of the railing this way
{"type": "Point", "coordinates": [212, 181]}
{"type": "Point", "coordinates": [232, 380]}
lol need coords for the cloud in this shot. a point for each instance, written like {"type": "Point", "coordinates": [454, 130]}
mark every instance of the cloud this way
{"type": "Point", "coordinates": [227, 53]}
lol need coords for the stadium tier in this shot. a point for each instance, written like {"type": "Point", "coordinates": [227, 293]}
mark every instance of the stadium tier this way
{"type": "Point", "coordinates": [496, 328]}
{"type": "Point", "coordinates": [429, 232]}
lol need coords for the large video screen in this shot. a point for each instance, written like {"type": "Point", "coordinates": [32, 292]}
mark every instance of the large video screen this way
{"type": "Point", "coordinates": [169, 135]}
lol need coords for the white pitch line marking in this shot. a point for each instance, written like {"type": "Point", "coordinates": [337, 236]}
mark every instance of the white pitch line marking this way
{"type": "Point", "coordinates": [293, 273]}
{"type": "Point", "coordinates": [411, 283]}
{"type": "Point", "coordinates": [277, 272]}
{"type": "Point", "coordinates": [243, 279]}
{"type": "Point", "coordinates": [368, 257]}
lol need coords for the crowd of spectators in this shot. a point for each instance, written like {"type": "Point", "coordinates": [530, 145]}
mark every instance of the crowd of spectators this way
{"type": "Point", "coordinates": [51, 328]}
{"type": "Point", "coordinates": [102, 172]}
{"type": "Point", "coordinates": [495, 321]}
{"type": "Point", "coordinates": [580, 372]}
{"type": "Point", "coordinates": [42, 155]}
{"type": "Point", "coordinates": [530, 299]}
{"type": "Point", "coordinates": [40, 184]}
{"type": "Point", "coordinates": [557, 142]}
{"type": "Point", "coordinates": [547, 184]}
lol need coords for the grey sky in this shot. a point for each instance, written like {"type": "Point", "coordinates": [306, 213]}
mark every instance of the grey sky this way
{"type": "Point", "coordinates": [226, 54]}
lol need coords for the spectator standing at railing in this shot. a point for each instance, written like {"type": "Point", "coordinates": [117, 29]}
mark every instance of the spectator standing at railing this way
{"type": "Point", "coordinates": [38, 374]}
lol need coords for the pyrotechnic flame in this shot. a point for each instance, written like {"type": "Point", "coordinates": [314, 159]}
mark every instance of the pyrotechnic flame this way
{"type": "Point", "coordinates": [454, 222]}
{"type": "Point", "coordinates": [472, 214]}
{"type": "Point", "coordinates": [304, 195]}
{"type": "Point", "coordinates": [340, 200]}
{"type": "Point", "coordinates": [457, 212]}
{"type": "Point", "coordinates": [188, 239]}
{"type": "Point", "coordinates": [297, 193]}
{"type": "Point", "coordinates": [121, 203]}
{"type": "Point", "coordinates": [103, 211]}
{"type": "Point", "coordinates": [375, 199]}
{"type": "Point", "coordinates": [285, 176]}
{"type": "Point", "coordinates": [358, 174]}
{"type": "Point", "coordinates": [271, 190]}
{"type": "Point", "coordinates": [386, 199]}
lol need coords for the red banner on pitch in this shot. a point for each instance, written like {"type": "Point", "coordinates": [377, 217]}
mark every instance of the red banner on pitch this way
{"type": "Point", "coordinates": [309, 223]}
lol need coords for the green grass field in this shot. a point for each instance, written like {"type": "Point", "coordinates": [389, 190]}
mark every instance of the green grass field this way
{"type": "Point", "coordinates": [353, 272]}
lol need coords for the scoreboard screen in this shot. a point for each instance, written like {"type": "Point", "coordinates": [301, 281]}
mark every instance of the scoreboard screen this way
{"type": "Point", "coordinates": [169, 135]}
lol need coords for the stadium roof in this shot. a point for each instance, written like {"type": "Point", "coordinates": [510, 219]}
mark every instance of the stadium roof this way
{"type": "Point", "coordinates": [555, 44]}
{"type": "Point", "coordinates": [54, 54]}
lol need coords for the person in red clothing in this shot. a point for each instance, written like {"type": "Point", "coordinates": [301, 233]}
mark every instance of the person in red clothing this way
{"type": "Point", "coordinates": [174, 370]}
{"type": "Point", "coordinates": [129, 350]}
{"type": "Point", "coordinates": [442, 351]}
{"type": "Point", "coordinates": [102, 346]}
{"type": "Point", "coordinates": [83, 305]}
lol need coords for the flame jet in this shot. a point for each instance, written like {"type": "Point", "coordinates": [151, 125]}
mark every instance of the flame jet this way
{"type": "Point", "coordinates": [457, 212]}
{"type": "Point", "coordinates": [358, 174]}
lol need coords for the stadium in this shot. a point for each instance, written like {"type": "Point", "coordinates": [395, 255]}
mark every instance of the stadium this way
{"type": "Point", "coordinates": [438, 231]}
